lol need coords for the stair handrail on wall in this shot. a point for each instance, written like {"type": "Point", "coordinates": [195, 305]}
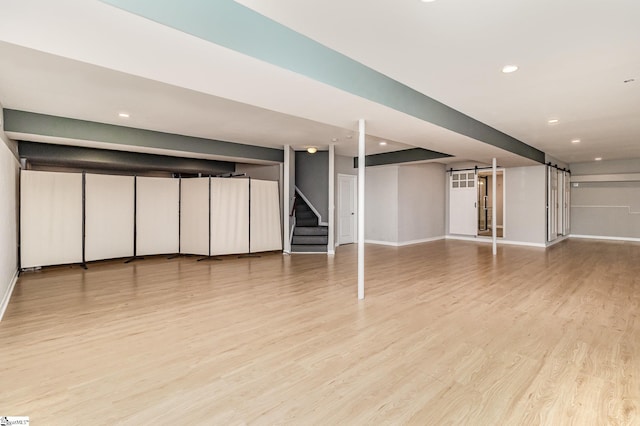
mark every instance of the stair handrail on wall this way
{"type": "Point", "coordinates": [313, 209]}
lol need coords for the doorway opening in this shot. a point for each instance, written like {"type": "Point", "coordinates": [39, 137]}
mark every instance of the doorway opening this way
{"type": "Point", "coordinates": [485, 204]}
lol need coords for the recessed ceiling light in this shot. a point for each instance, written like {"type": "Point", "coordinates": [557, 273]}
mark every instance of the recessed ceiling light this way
{"type": "Point", "coordinates": [598, 158]}
{"type": "Point", "coordinates": [312, 150]}
{"type": "Point", "coordinates": [349, 136]}
{"type": "Point", "coordinates": [382, 143]}
{"type": "Point", "coordinates": [427, 1]}
{"type": "Point", "coordinates": [575, 141]}
{"type": "Point", "coordinates": [509, 69]}
{"type": "Point", "coordinates": [553, 121]}
{"type": "Point", "coordinates": [123, 115]}
{"type": "Point", "coordinates": [334, 139]}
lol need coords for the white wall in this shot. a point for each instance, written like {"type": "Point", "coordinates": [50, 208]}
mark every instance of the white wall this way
{"type": "Point", "coordinates": [9, 171]}
{"type": "Point", "coordinates": [420, 204]}
{"type": "Point", "coordinates": [525, 205]}
{"type": "Point", "coordinates": [381, 204]}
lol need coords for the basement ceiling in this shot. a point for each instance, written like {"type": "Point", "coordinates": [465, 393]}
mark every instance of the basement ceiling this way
{"type": "Point", "coordinates": [90, 61]}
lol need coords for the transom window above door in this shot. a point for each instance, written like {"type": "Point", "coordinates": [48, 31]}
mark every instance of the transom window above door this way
{"type": "Point", "coordinates": [463, 180]}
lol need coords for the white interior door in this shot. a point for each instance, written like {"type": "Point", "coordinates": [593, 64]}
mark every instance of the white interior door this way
{"type": "Point", "coordinates": [552, 203]}
{"type": "Point", "coordinates": [463, 206]}
{"type": "Point", "coordinates": [347, 209]}
{"type": "Point", "coordinates": [567, 204]}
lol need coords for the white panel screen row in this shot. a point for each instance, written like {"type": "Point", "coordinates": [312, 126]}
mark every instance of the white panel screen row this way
{"type": "Point", "coordinates": [124, 216]}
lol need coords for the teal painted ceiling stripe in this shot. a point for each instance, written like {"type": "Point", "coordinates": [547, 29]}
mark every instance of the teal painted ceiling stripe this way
{"type": "Point", "coordinates": [49, 125]}
{"type": "Point", "coordinates": [234, 26]}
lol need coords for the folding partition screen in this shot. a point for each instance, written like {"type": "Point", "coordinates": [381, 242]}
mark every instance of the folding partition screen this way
{"type": "Point", "coordinates": [229, 216]}
{"type": "Point", "coordinates": [50, 218]}
{"type": "Point", "coordinates": [194, 216]}
{"type": "Point", "coordinates": [266, 233]}
{"type": "Point", "coordinates": [157, 216]}
{"type": "Point", "coordinates": [108, 216]}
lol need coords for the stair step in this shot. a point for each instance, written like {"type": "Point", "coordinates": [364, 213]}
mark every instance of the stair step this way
{"type": "Point", "coordinates": [311, 230]}
{"type": "Point", "coordinates": [308, 248]}
{"type": "Point", "coordinates": [310, 239]}
{"type": "Point", "coordinates": [307, 222]}
{"type": "Point", "coordinates": [305, 214]}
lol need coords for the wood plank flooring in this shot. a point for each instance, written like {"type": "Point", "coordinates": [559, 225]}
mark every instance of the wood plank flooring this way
{"type": "Point", "coordinates": [447, 334]}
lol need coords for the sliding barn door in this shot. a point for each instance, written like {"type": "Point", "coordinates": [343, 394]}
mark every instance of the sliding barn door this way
{"type": "Point", "coordinates": [463, 207]}
{"type": "Point", "coordinates": [552, 203]}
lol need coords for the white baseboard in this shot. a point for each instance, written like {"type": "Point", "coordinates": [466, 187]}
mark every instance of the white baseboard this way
{"type": "Point", "coordinates": [331, 252]}
{"type": "Point", "coordinates": [7, 296]}
{"type": "Point", "coordinates": [499, 241]}
{"type": "Point", "coordinates": [404, 243]}
{"type": "Point", "coordinates": [601, 237]}
{"type": "Point", "coordinates": [557, 240]}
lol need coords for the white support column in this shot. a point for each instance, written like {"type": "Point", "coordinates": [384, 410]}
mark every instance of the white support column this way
{"type": "Point", "coordinates": [286, 197]}
{"type": "Point", "coordinates": [494, 215]}
{"type": "Point", "coordinates": [361, 167]}
{"type": "Point", "coordinates": [331, 246]}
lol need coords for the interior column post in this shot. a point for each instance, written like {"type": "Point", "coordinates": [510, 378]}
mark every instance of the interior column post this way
{"type": "Point", "coordinates": [361, 167]}
{"type": "Point", "coordinates": [494, 203]}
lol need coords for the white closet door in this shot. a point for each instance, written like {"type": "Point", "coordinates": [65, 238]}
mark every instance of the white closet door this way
{"type": "Point", "coordinates": [463, 207]}
{"type": "Point", "coordinates": [50, 218]}
{"type": "Point", "coordinates": [229, 216]}
{"type": "Point", "coordinates": [552, 203]}
{"type": "Point", "coordinates": [109, 216]}
{"type": "Point", "coordinates": [266, 233]}
{"type": "Point", "coordinates": [157, 216]}
{"type": "Point", "coordinates": [194, 216]}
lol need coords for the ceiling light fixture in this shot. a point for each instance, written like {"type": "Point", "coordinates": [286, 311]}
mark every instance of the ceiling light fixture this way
{"type": "Point", "coordinates": [575, 141]}
{"type": "Point", "coordinates": [334, 139]}
{"type": "Point", "coordinates": [123, 115]}
{"type": "Point", "coordinates": [553, 121]}
{"type": "Point", "coordinates": [382, 143]}
{"type": "Point", "coordinates": [312, 150]}
{"type": "Point", "coordinates": [598, 158]}
{"type": "Point", "coordinates": [507, 69]}
{"type": "Point", "coordinates": [427, 1]}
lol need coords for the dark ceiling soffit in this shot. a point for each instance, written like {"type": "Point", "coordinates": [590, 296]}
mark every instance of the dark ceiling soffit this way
{"type": "Point", "coordinates": [237, 27]}
{"type": "Point", "coordinates": [404, 156]}
{"type": "Point", "coordinates": [49, 125]}
{"type": "Point", "coordinates": [87, 158]}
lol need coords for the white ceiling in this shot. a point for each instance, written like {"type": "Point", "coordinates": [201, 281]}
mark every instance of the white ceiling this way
{"type": "Point", "coordinates": [87, 60]}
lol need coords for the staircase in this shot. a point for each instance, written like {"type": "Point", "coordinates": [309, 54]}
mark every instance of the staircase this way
{"type": "Point", "coordinates": [308, 235]}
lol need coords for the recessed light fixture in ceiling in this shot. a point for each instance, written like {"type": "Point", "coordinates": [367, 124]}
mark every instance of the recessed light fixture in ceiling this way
{"type": "Point", "coordinates": [382, 143]}
{"type": "Point", "coordinates": [508, 69]}
{"type": "Point", "coordinates": [598, 158]}
{"type": "Point", "coordinates": [334, 139]}
{"type": "Point", "coordinates": [312, 150]}
{"type": "Point", "coordinates": [575, 141]}
{"type": "Point", "coordinates": [553, 121]}
{"type": "Point", "coordinates": [123, 115]}
{"type": "Point", "coordinates": [427, 1]}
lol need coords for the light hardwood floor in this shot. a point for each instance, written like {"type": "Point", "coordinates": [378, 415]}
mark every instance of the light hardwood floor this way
{"type": "Point", "coordinates": [447, 335]}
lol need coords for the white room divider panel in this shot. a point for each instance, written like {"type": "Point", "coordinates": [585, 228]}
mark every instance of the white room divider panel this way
{"type": "Point", "coordinates": [194, 216]}
{"type": "Point", "coordinates": [266, 233]}
{"type": "Point", "coordinates": [157, 216]}
{"type": "Point", "coordinates": [229, 216]}
{"type": "Point", "coordinates": [50, 218]}
{"type": "Point", "coordinates": [108, 216]}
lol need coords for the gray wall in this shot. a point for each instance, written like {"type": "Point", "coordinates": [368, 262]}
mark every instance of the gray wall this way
{"type": "Point", "coordinates": [525, 204]}
{"type": "Point", "coordinates": [606, 209]}
{"type": "Point", "coordinates": [405, 203]}
{"type": "Point", "coordinates": [420, 204]}
{"type": "Point", "coordinates": [381, 204]}
{"type": "Point", "coordinates": [312, 178]}
{"type": "Point", "coordinates": [9, 175]}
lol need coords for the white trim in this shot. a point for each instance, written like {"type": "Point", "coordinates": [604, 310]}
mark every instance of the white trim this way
{"type": "Point", "coordinates": [602, 237]}
{"type": "Point", "coordinates": [332, 199]}
{"type": "Point", "coordinates": [291, 232]}
{"type": "Point", "coordinates": [323, 224]}
{"type": "Point", "coordinates": [7, 296]}
{"type": "Point", "coordinates": [331, 252]}
{"type": "Point", "coordinates": [405, 243]}
{"type": "Point", "coordinates": [313, 209]}
{"type": "Point", "coordinates": [486, 240]}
